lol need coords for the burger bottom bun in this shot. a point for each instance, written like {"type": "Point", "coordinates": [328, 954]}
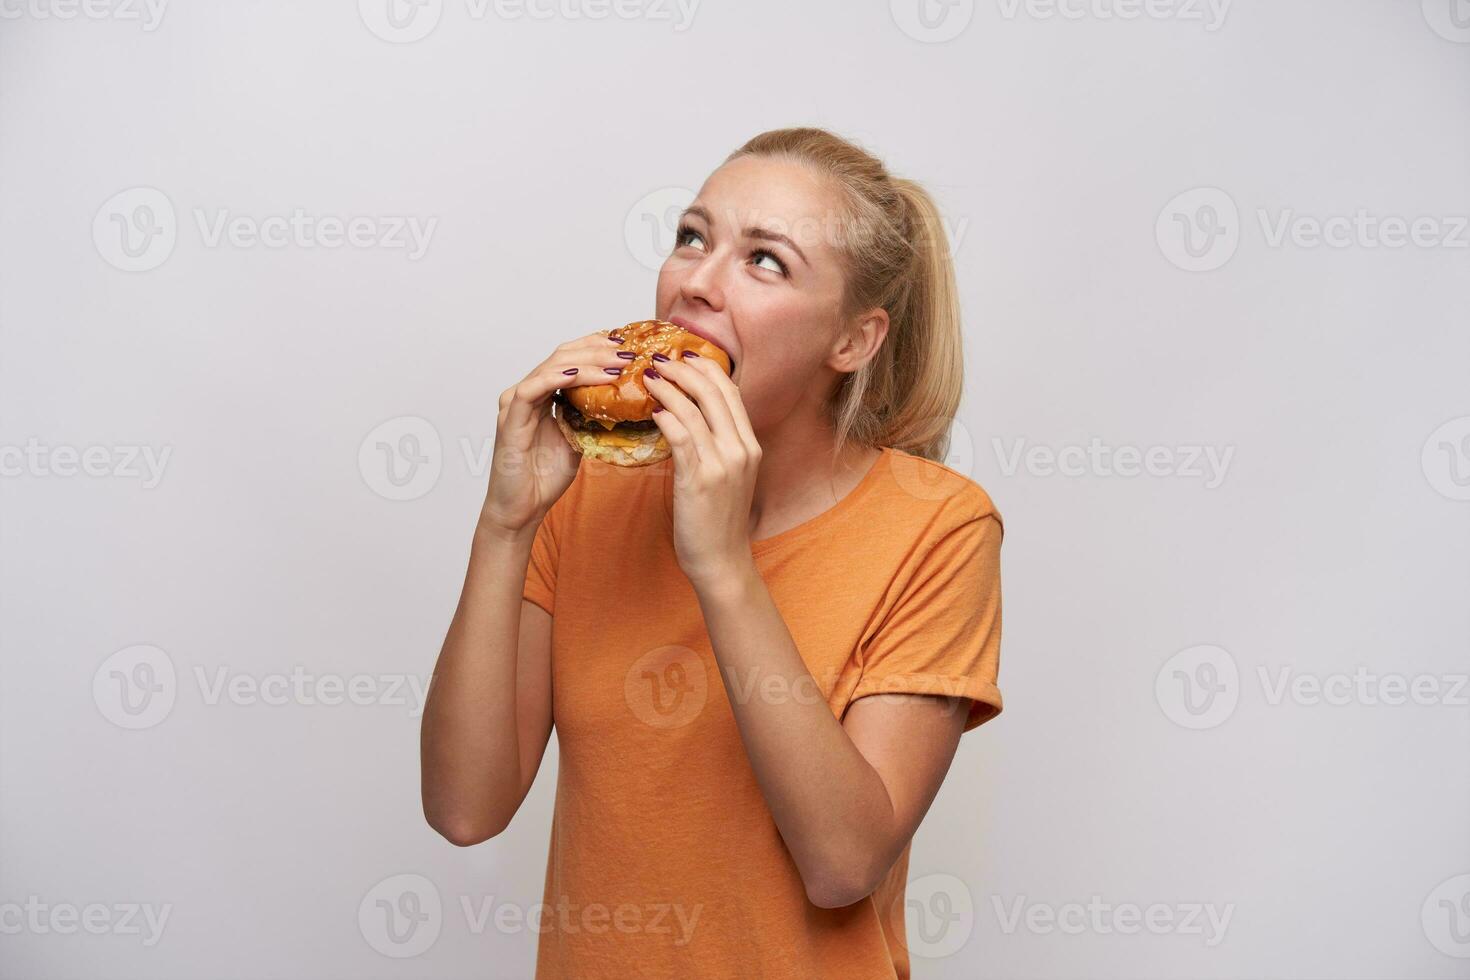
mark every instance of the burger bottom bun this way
{"type": "Point", "coordinates": [652, 447]}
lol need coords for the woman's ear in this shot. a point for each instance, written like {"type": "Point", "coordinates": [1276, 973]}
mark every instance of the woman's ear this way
{"type": "Point", "coordinates": [859, 343]}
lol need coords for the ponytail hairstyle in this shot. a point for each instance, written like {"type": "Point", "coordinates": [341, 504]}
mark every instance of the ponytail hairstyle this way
{"type": "Point", "coordinates": [896, 256]}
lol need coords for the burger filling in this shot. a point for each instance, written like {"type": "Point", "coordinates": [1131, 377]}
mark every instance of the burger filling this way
{"type": "Point", "coordinates": [582, 423]}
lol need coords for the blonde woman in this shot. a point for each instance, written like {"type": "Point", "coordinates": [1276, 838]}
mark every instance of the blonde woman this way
{"type": "Point", "coordinates": [759, 654]}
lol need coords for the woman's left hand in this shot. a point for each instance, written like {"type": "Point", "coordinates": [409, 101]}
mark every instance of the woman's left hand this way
{"type": "Point", "coordinates": [716, 460]}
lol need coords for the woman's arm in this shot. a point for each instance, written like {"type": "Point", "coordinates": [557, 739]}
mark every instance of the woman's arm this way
{"type": "Point", "coordinates": [487, 717]}
{"type": "Point", "coordinates": [488, 713]}
{"type": "Point", "coordinates": [851, 799]}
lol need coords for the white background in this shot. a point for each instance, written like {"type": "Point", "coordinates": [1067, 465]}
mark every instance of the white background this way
{"type": "Point", "coordinates": [546, 151]}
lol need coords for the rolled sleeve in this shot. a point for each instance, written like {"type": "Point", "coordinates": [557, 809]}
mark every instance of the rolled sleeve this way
{"type": "Point", "coordinates": [942, 634]}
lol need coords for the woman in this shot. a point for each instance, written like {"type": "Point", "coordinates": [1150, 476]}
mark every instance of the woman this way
{"type": "Point", "coordinates": [707, 633]}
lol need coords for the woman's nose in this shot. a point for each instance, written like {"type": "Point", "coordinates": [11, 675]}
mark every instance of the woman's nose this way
{"type": "Point", "coordinates": [702, 282]}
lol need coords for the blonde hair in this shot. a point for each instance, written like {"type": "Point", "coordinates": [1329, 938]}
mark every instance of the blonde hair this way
{"type": "Point", "coordinates": [896, 257]}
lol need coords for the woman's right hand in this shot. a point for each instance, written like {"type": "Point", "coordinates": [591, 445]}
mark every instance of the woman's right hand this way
{"type": "Point", "coordinates": [533, 464]}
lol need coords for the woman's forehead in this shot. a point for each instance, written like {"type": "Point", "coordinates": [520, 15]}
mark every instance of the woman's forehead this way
{"type": "Point", "coordinates": [756, 190]}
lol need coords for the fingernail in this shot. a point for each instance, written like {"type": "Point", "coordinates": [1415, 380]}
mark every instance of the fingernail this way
{"type": "Point", "coordinates": [651, 373]}
{"type": "Point", "coordinates": [659, 357]}
{"type": "Point", "coordinates": [627, 355]}
{"type": "Point", "coordinates": [688, 353]}
{"type": "Point", "coordinates": [615, 339]}
{"type": "Point", "coordinates": [570, 371]}
{"type": "Point", "coordinates": [613, 370]}
{"type": "Point", "coordinates": [657, 409]}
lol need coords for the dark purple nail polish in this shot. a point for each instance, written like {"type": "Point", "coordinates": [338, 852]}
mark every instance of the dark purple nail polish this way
{"type": "Point", "coordinates": [651, 373]}
{"type": "Point", "coordinates": [659, 357]}
{"type": "Point", "coordinates": [613, 370]}
{"type": "Point", "coordinates": [688, 353]}
{"type": "Point", "coordinates": [658, 408]}
{"type": "Point", "coordinates": [615, 339]}
{"type": "Point", "coordinates": [570, 371]}
{"type": "Point", "coordinates": [626, 355]}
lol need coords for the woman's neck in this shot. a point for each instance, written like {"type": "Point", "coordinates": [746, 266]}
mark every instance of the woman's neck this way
{"type": "Point", "coordinates": [798, 479]}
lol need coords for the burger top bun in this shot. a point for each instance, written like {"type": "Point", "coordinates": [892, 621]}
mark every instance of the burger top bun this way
{"type": "Point", "coordinates": [625, 399]}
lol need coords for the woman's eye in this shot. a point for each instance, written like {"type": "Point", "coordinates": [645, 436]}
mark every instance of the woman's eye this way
{"type": "Point", "coordinates": [684, 234]}
{"type": "Point", "coordinates": [779, 265]}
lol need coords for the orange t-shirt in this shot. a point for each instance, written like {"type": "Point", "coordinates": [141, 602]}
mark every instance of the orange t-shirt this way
{"type": "Point", "coordinates": [665, 861]}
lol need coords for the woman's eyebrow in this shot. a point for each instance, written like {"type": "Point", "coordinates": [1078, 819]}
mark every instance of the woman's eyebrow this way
{"type": "Point", "coordinates": [764, 234]}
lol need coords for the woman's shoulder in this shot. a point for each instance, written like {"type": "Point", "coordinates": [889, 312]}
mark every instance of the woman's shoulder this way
{"type": "Point", "coordinates": [940, 495]}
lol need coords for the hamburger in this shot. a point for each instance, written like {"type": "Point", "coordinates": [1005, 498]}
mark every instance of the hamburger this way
{"type": "Point", "coordinates": [613, 422]}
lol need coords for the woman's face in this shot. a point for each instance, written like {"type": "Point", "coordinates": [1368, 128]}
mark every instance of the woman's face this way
{"type": "Point", "coordinates": [755, 269]}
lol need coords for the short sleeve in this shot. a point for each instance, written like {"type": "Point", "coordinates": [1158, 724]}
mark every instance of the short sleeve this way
{"type": "Point", "coordinates": [540, 587]}
{"type": "Point", "coordinates": [942, 633]}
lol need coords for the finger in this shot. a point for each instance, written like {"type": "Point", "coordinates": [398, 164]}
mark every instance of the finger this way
{"type": "Point", "coordinates": [573, 367]}
{"type": "Point", "coordinates": [681, 443]}
{"type": "Point", "coordinates": [700, 387]}
{"type": "Point", "coordinates": [727, 388]}
{"type": "Point", "coordinates": [675, 402]}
